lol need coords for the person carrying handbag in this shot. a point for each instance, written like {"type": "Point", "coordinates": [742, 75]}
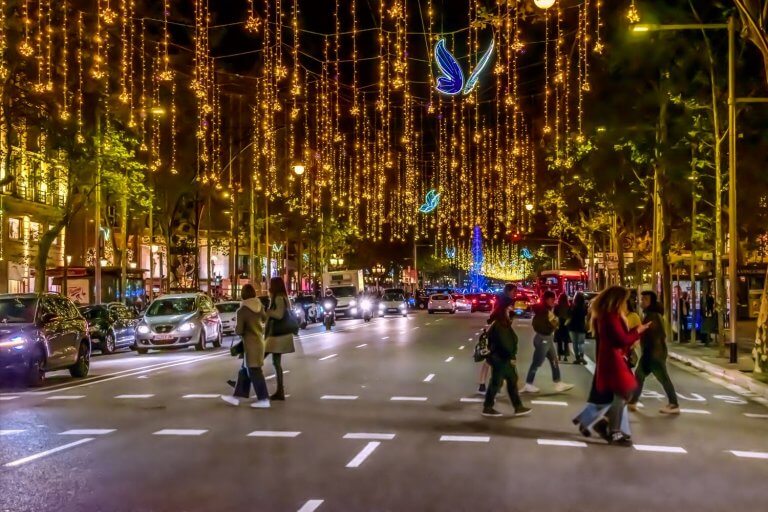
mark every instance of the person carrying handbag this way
{"type": "Point", "coordinates": [281, 326]}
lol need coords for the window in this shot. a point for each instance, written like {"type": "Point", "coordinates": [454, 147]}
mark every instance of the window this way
{"type": "Point", "coordinates": [34, 231]}
{"type": "Point", "coordinates": [14, 229]}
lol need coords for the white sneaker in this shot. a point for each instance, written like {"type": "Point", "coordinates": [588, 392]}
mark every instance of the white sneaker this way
{"type": "Point", "coordinates": [261, 404]}
{"type": "Point", "coordinates": [230, 400]}
{"type": "Point", "coordinates": [561, 387]}
{"type": "Point", "coordinates": [529, 388]}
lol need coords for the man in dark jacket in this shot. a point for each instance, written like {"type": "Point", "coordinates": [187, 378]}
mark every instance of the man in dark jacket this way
{"type": "Point", "coordinates": [654, 358]}
{"type": "Point", "coordinates": [544, 323]}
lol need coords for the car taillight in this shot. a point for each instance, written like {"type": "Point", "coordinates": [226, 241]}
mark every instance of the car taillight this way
{"type": "Point", "coordinates": [474, 301]}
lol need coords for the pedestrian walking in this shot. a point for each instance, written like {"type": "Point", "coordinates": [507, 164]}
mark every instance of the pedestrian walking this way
{"type": "Point", "coordinates": [577, 326]}
{"type": "Point", "coordinates": [544, 324]}
{"type": "Point", "coordinates": [653, 360]}
{"type": "Point", "coordinates": [279, 336]}
{"type": "Point", "coordinates": [502, 343]}
{"type": "Point", "coordinates": [508, 294]}
{"type": "Point", "coordinates": [683, 311]}
{"type": "Point", "coordinates": [250, 326]}
{"type": "Point", "coordinates": [562, 337]}
{"type": "Point", "coordinates": [613, 374]}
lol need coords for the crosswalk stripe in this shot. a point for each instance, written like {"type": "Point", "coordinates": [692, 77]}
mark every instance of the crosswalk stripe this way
{"type": "Point", "coordinates": [750, 455]}
{"type": "Point", "coordinates": [549, 402]}
{"type": "Point", "coordinates": [128, 397]}
{"type": "Point", "coordinates": [694, 411]}
{"type": "Point", "coordinates": [339, 397]}
{"type": "Point", "coordinates": [753, 415]}
{"type": "Point", "coordinates": [661, 449]}
{"type": "Point", "coordinates": [273, 433]}
{"type": "Point", "coordinates": [560, 442]}
{"type": "Point", "coordinates": [65, 397]}
{"type": "Point", "coordinates": [87, 432]}
{"type": "Point", "coordinates": [311, 505]}
{"type": "Point", "coordinates": [471, 400]}
{"type": "Point", "coordinates": [409, 399]}
{"type": "Point", "coordinates": [8, 432]}
{"type": "Point", "coordinates": [466, 439]}
{"type": "Point", "coordinates": [364, 454]}
{"type": "Point", "coordinates": [201, 395]}
{"type": "Point", "coordinates": [449, 359]}
{"type": "Point", "coordinates": [179, 432]}
{"type": "Point", "coordinates": [369, 436]}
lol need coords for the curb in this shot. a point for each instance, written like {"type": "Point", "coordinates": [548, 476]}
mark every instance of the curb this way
{"type": "Point", "coordinates": [732, 376]}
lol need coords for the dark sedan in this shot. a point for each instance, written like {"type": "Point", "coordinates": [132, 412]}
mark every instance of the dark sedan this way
{"type": "Point", "coordinates": [112, 326]}
{"type": "Point", "coordinates": [481, 301]}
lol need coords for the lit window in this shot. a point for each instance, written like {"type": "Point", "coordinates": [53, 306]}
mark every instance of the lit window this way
{"type": "Point", "coordinates": [14, 229]}
{"type": "Point", "coordinates": [34, 231]}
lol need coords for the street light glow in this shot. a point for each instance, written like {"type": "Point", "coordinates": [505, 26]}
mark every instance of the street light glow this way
{"type": "Point", "coordinates": [544, 4]}
{"type": "Point", "coordinates": [298, 169]}
{"type": "Point", "coordinates": [641, 28]}
{"type": "Point", "coordinates": [529, 207]}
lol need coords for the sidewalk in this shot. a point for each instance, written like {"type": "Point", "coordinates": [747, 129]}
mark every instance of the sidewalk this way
{"type": "Point", "coordinates": [709, 360]}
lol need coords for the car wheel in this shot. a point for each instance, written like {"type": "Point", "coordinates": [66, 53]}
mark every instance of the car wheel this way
{"type": "Point", "coordinates": [35, 374]}
{"type": "Point", "coordinates": [83, 364]}
{"type": "Point", "coordinates": [141, 351]}
{"type": "Point", "coordinates": [217, 341]}
{"type": "Point", "coordinates": [108, 345]}
{"type": "Point", "coordinates": [201, 344]}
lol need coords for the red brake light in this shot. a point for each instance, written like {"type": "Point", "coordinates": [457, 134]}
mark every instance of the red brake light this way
{"type": "Point", "coordinates": [474, 301]}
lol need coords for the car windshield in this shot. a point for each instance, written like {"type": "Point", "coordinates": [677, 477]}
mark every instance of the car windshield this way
{"type": "Point", "coordinates": [228, 307]}
{"type": "Point", "coordinates": [344, 291]}
{"type": "Point", "coordinates": [393, 297]}
{"type": "Point", "coordinates": [18, 310]}
{"type": "Point", "coordinates": [93, 313]}
{"type": "Point", "coordinates": [172, 306]}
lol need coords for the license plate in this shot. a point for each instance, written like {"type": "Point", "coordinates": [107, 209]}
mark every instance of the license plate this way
{"type": "Point", "coordinates": [520, 305]}
{"type": "Point", "coordinates": [163, 337]}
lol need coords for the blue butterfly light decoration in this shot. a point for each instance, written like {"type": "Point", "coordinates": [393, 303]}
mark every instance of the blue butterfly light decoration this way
{"type": "Point", "coordinates": [451, 82]}
{"type": "Point", "coordinates": [431, 200]}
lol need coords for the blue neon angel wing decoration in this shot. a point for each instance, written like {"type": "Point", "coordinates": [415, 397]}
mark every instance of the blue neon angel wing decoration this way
{"type": "Point", "coordinates": [475, 76]}
{"type": "Point", "coordinates": [452, 79]}
{"type": "Point", "coordinates": [431, 201]}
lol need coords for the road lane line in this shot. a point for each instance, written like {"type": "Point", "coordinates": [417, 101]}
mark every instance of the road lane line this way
{"type": "Point", "coordinates": [466, 439]}
{"type": "Point", "coordinates": [662, 449]}
{"type": "Point", "coordinates": [694, 411]}
{"type": "Point", "coordinates": [87, 432]}
{"type": "Point", "coordinates": [449, 359]}
{"type": "Point", "coordinates": [369, 436]}
{"type": "Point", "coordinates": [8, 432]}
{"type": "Point", "coordinates": [65, 397]}
{"type": "Point", "coordinates": [753, 415]}
{"type": "Point", "coordinates": [36, 456]}
{"type": "Point", "coordinates": [472, 400]}
{"type": "Point", "coordinates": [461, 347]}
{"type": "Point", "coordinates": [364, 454]}
{"type": "Point", "coordinates": [270, 377]}
{"type": "Point", "coordinates": [142, 377]}
{"type": "Point", "coordinates": [549, 402]}
{"type": "Point", "coordinates": [560, 442]}
{"type": "Point", "coordinates": [362, 345]}
{"type": "Point", "coordinates": [310, 505]}
{"type": "Point", "coordinates": [5, 398]}
{"type": "Point", "coordinates": [385, 338]}
{"type": "Point", "coordinates": [429, 377]}
{"type": "Point", "coordinates": [179, 432]}
{"type": "Point", "coordinates": [330, 356]}
{"type": "Point", "coordinates": [338, 397]}
{"type": "Point", "coordinates": [273, 433]}
{"type": "Point", "coordinates": [408, 399]}
{"type": "Point", "coordinates": [201, 395]}
{"type": "Point", "coordinates": [128, 397]}
{"type": "Point", "coordinates": [750, 455]}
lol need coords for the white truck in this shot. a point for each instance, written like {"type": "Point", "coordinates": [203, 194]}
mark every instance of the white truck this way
{"type": "Point", "coordinates": [347, 285]}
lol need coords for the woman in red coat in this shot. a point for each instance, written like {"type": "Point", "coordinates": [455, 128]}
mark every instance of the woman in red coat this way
{"type": "Point", "coordinates": [613, 374]}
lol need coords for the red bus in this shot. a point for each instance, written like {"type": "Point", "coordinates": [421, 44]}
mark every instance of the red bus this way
{"type": "Point", "coordinates": [561, 281]}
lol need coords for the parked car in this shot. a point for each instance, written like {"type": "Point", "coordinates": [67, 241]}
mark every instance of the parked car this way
{"type": "Point", "coordinates": [298, 310]}
{"type": "Point", "coordinates": [178, 321]}
{"type": "Point", "coordinates": [393, 303]}
{"type": "Point", "coordinates": [42, 333]}
{"type": "Point", "coordinates": [228, 316]}
{"type": "Point", "coordinates": [441, 302]}
{"type": "Point", "coordinates": [462, 303]}
{"type": "Point", "coordinates": [482, 302]}
{"type": "Point", "coordinates": [111, 326]}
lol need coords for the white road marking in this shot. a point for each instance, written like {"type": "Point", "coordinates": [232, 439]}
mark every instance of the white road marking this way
{"type": "Point", "coordinates": [549, 402]}
{"type": "Point", "coordinates": [590, 366]}
{"type": "Point", "coordinates": [414, 328]}
{"type": "Point", "coordinates": [385, 338]}
{"type": "Point", "coordinates": [429, 377]}
{"type": "Point", "coordinates": [409, 399]}
{"type": "Point", "coordinates": [369, 436]}
{"type": "Point", "coordinates": [201, 395]}
{"type": "Point", "coordinates": [469, 339]}
{"type": "Point", "coordinates": [560, 442]}
{"type": "Point", "coordinates": [694, 411]}
{"type": "Point", "coordinates": [330, 356]}
{"type": "Point", "coordinates": [127, 397]}
{"type": "Point", "coordinates": [5, 398]}
{"type": "Point", "coordinates": [471, 400]}
{"type": "Point", "coordinates": [750, 455]}
{"type": "Point", "coordinates": [88, 432]}
{"type": "Point", "coordinates": [179, 432]}
{"type": "Point", "coordinates": [753, 415]}
{"type": "Point", "coordinates": [142, 377]}
{"type": "Point", "coordinates": [362, 345]}
{"type": "Point", "coordinates": [65, 397]}
{"type": "Point", "coordinates": [466, 439]}
{"type": "Point", "coordinates": [36, 456]}
{"type": "Point", "coordinates": [310, 505]}
{"type": "Point", "coordinates": [461, 347]}
{"type": "Point", "coordinates": [662, 449]}
{"type": "Point", "coordinates": [8, 432]}
{"type": "Point", "coordinates": [273, 433]}
{"type": "Point", "coordinates": [338, 397]}
{"type": "Point", "coordinates": [449, 359]}
{"type": "Point", "coordinates": [364, 453]}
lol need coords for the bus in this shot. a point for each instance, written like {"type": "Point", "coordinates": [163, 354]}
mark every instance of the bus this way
{"type": "Point", "coordinates": [561, 281]}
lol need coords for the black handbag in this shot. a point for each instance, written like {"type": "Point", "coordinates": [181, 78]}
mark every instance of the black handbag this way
{"type": "Point", "coordinates": [236, 349]}
{"type": "Point", "coordinates": [289, 324]}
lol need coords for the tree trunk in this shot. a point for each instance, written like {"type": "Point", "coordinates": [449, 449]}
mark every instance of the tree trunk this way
{"type": "Point", "coordinates": [760, 350]}
{"type": "Point", "coordinates": [41, 260]}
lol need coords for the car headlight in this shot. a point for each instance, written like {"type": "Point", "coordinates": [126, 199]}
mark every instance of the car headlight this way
{"type": "Point", "coordinates": [365, 304]}
{"type": "Point", "coordinates": [381, 306]}
{"type": "Point", "coordinates": [186, 327]}
{"type": "Point", "coordinates": [353, 303]}
{"type": "Point", "coordinates": [402, 306]}
{"type": "Point", "coordinates": [142, 329]}
{"type": "Point", "coordinates": [16, 341]}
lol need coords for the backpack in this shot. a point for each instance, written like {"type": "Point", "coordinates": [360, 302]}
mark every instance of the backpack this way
{"type": "Point", "coordinates": [482, 350]}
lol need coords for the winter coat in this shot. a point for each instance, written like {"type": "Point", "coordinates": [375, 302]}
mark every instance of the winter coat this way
{"type": "Point", "coordinates": [502, 342]}
{"type": "Point", "coordinates": [613, 373]}
{"type": "Point", "coordinates": [250, 325]}
{"type": "Point", "coordinates": [282, 344]}
{"type": "Point", "coordinates": [544, 321]}
{"type": "Point", "coordinates": [654, 340]}
{"type": "Point", "coordinates": [578, 317]}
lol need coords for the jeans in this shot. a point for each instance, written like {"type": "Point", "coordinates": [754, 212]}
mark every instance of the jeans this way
{"type": "Point", "coordinates": [659, 370]}
{"type": "Point", "coordinates": [578, 343]}
{"type": "Point", "coordinates": [247, 376]}
{"type": "Point", "coordinates": [543, 348]}
{"type": "Point", "coordinates": [502, 371]}
{"type": "Point", "coordinates": [593, 412]}
{"type": "Point", "coordinates": [615, 412]}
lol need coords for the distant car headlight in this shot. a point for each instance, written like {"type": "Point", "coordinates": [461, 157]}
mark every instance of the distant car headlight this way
{"type": "Point", "coordinates": [186, 327]}
{"type": "Point", "coordinates": [403, 306]}
{"type": "Point", "coordinates": [365, 304]}
{"type": "Point", "coordinates": [297, 310]}
{"type": "Point", "coordinates": [382, 307]}
{"type": "Point", "coordinates": [16, 341]}
{"type": "Point", "coordinates": [142, 329]}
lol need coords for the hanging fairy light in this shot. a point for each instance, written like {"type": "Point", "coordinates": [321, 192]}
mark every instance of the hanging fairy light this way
{"type": "Point", "coordinates": [64, 113]}
{"type": "Point", "coordinates": [25, 48]}
{"type": "Point", "coordinates": [633, 16]}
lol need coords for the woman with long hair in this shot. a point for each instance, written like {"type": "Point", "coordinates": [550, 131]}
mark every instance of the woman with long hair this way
{"type": "Point", "coordinates": [613, 374]}
{"type": "Point", "coordinates": [577, 326]}
{"type": "Point", "coordinates": [278, 344]}
{"type": "Point", "coordinates": [562, 338]}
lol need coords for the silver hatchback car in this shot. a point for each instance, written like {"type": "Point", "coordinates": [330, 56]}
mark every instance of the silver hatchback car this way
{"type": "Point", "coordinates": [178, 321]}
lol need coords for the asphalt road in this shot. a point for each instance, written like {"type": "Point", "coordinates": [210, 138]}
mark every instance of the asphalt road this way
{"type": "Point", "coordinates": [380, 417]}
